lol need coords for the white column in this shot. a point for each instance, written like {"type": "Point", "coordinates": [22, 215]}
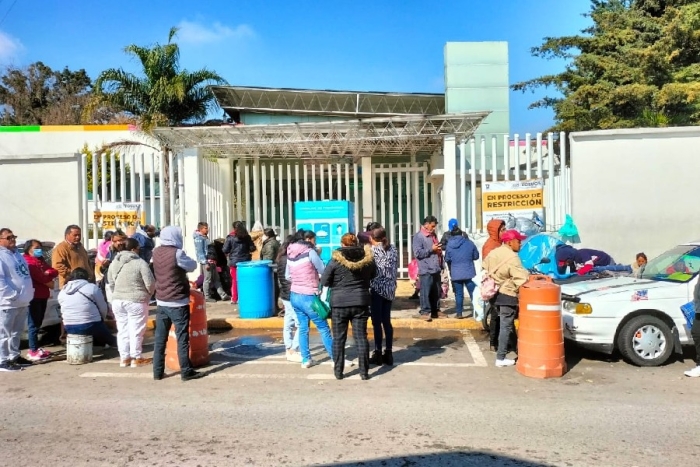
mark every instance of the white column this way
{"type": "Point", "coordinates": [367, 193]}
{"type": "Point", "coordinates": [449, 187]}
{"type": "Point", "coordinates": [226, 174]}
{"type": "Point", "coordinates": [192, 201]}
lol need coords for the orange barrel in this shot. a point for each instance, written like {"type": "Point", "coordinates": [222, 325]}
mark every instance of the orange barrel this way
{"type": "Point", "coordinates": [199, 338]}
{"type": "Point", "coordinates": [540, 334]}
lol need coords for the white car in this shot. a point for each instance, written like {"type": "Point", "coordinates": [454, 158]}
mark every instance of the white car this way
{"type": "Point", "coordinates": [53, 313]}
{"type": "Point", "coordinates": [641, 317]}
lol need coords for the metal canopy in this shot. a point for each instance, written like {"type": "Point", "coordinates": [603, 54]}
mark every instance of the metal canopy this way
{"type": "Point", "coordinates": [329, 103]}
{"type": "Point", "coordinates": [409, 135]}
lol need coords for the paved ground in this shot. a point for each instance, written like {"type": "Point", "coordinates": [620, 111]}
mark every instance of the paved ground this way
{"type": "Point", "coordinates": [443, 404]}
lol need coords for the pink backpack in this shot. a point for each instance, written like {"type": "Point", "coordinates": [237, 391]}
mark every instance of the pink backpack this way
{"type": "Point", "coordinates": [488, 287]}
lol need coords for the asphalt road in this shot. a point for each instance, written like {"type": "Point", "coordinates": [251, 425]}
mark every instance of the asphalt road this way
{"type": "Point", "coordinates": [443, 404]}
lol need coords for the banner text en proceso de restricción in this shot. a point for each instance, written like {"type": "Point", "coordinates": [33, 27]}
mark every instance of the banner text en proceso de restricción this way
{"type": "Point", "coordinates": [512, 200]}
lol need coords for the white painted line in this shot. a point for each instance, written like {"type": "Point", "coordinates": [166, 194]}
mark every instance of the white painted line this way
{"type": "Point", "coordinates": [213, 375]}
{"type": "Point", "coordinates": [474, 350]}
{"type": "Point", "coordinates": [320, 376]}
{"type": "Point", "coordinates": [533, 307]}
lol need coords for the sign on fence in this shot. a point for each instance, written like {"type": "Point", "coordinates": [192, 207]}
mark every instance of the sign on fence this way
{"type": "Point", "coordinates": [513, 201]}
{"type": "Point", "coordinates": [113, 215]}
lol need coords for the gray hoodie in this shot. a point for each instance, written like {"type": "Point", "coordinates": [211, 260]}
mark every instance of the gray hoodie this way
{"type": "Point", "coordinates": [172, 236]}
{"type": "Point", "coordinates": [16, 288]}
{"type": "Point", "coordinates": [130, 278]}
{"type": "Point", "coordinates": [81, 303]}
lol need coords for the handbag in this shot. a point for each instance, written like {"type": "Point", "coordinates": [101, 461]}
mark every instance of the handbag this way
{"type": "Point", "coordinates": [320, 307]}
{"type": "Point", "coordinates": [488, 287]}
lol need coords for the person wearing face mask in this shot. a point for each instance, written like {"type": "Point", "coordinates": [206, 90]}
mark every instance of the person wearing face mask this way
{"type": "Point", "coordinates": [43, 280]}
{"type": "Point", "coordinates": [71, 254]}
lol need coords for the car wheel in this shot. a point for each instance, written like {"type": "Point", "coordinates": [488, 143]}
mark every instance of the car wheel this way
{"type": "Point", "coordinates": [646, 341]}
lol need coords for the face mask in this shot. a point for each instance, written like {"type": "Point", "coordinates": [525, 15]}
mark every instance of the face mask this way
{"type": "Point", "coordinates": [38, 253]}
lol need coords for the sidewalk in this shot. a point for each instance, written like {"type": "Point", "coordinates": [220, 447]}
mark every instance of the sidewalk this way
{"type": "Point", "coordinates": [222, 316]}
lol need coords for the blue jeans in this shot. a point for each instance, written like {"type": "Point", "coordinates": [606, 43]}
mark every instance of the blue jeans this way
{"type": "Point", "coordinates": [291, 338]}
{"type": "Point", "coordinates": [429, 293]}
{"type": "Point", "coordinates": [101, 335]}
{"type": "Point", "coordinates": [37, 310]}
{"type": "Point", "coordinates": [381, 320]}
{"type": "Point", "coordinates": [458, 287]}
{"type": "Point", "coordinates": [302, 307]}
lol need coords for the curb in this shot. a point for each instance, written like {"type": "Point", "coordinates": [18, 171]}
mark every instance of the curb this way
{"type": "Point", "coordinates": [227, 324]}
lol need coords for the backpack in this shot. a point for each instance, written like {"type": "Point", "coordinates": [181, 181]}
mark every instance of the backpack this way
{"type": "Point", "coordinates": [488, 287]}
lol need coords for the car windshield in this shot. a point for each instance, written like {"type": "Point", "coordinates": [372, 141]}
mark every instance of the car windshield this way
{"type": "Point", "coordinates": [678, 264]}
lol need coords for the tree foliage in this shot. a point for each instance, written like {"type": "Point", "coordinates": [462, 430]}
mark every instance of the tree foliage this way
{"type": "Point", "coordinates": [164, 94]}
{"type": "Point", "coordinates": [638, 64]}
{"type": "Point", "coordinates": [38, 95]}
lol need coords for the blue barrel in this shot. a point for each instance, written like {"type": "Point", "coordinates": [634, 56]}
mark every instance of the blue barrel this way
{"type": "Point", "coordinates": [256, 292]}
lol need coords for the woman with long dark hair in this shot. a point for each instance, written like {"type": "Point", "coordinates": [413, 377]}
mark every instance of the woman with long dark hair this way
{"type": "Point", "coordinates": [383, 291]}
{"type": "Point", "coordinates": [239, 248]}
{"type": "Point", "coordinates": [291, 338]}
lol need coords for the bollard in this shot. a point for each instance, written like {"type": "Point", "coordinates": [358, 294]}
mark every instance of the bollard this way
{"type": "Point", "coordinates": [199, 337]}
{"type": "Point", "coordinates": [540, 334]}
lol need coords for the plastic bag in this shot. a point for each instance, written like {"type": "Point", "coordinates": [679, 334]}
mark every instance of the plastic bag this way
{"type": "Point", "coordinates": [569, 231]}
{"type": "Point", "coordinates": [689, 312]}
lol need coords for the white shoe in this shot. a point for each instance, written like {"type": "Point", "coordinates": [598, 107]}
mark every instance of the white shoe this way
{"type": "Point", "coordinates": [505, 362]}
{"type": "Point", "coordinates": [294, 357]}
{"type": "Point", "coordinates": [694, 373]}
{"type": "Point", "coordinates": [308, 363]}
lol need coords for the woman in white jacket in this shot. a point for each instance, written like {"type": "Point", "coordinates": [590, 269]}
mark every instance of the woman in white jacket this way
{"type": "Point", "coordinates": [132, 285]}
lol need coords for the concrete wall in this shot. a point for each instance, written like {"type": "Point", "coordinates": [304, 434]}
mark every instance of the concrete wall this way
{"type": "Point", "coordinates": [636, 190]}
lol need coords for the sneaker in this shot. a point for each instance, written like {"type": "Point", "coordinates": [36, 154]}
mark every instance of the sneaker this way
{"type": "Point", "coordinates": [124, 362]}
{"type": "Point", "coordinates": [307, 363]}
{"type": "Point", "coordinates": [10, 366]}
{"type": "Point", "coordinates": [21, 361]}
{"type": "Point", "coordinates": [694, 373]}
{"type": "Point", "coordinates": [506, 362]}
{"type": "Point", "coordinates": [190, 375]}
{"type": "Point", "coordinates": [293, 356]}
{"type": "Point", "coordinates": [225, 298]}
{"type": "Point", "coordinates": [38, 355]}
{"type": "Point", "coordinates": [137, 362]}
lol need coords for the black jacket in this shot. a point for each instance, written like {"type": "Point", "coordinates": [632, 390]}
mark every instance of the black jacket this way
{"type": "Point", "coordinates": [285, 285]}
{"type": "Point", "coordinates": [237, 249]}
{"type": "Point", "coordinates": [348, 274]}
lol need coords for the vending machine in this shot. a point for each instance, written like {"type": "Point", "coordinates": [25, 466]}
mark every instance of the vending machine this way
{"type": "Point", "coordinates": [330, 220]}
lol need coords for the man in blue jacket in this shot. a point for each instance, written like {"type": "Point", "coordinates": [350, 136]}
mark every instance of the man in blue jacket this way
{"type": "Point", "coordinates": [460, 255]}
{"type": "Point", "coordinates": [427, 250]}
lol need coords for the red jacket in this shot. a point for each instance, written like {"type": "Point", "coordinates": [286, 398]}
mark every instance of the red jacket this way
{"type": "Point", "coordinates": [41, 273]}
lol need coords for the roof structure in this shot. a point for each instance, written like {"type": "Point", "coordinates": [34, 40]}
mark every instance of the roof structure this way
{"type": "Point", "coordinates": [354, 104]}
{"type": "Point", "coordinates": [332, 140]}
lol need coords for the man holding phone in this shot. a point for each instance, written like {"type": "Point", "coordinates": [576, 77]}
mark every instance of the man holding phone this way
{"type": "Point", "coordinates": [428, 252]}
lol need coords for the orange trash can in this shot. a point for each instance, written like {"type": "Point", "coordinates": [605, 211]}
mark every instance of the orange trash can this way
{"type": "Point", "coordinates": [199, 337]}
{"type": "Point", "coordinates": [540, 334]}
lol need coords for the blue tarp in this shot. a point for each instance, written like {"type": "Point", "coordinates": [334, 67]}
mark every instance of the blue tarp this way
{"type": "Point", "coordinates": [541, 246]}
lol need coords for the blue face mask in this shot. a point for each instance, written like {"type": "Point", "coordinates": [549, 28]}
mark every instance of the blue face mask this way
{"type": "Point", "coordinates": [38, 253]}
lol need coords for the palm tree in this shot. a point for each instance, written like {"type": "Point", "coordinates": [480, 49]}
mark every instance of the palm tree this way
{"type": "Point", "coordinates": [163, 95]}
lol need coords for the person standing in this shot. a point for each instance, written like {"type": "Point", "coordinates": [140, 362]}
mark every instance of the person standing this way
{"type": "Point", "coordinates": [171, 266]}
{"type": "Point", "coordinates": [238, 247]}
{"type": "Point", "coordinates": [132, 284]}
{"type": "Point", "coordinates": [256, 234]}
{"type": "Point", "coordinates": [146, 241]}
{"type": "Point", "coordinates": [290, 332]}
{"type": "Point", "coordinates": [303, 269]}
{"type": "Point", "coordinates": [269, 251]}
{"type": "Point", "coordinates": [426, 249]}
{"type": "Point", "coordinates": [495, 229]}
{"type": "Point", "coordinates": [71, 254]}
{"type": "Point", "coordinates": [504, 266]}
{"type": "Point", "coordinates": [206, 257]}
{"type": "Point", "coordinates": [348, 275]}
{"type": "Point", "coordinates": [16, 293]}
{"type": "Point", "coordinates": [365, 237]}
{"type": "Point", "coordinates": [43, 281]}
{"type": "Point", "coordinates": [460, 255]}
{"type": "Point", "coordinates": [383, 292]}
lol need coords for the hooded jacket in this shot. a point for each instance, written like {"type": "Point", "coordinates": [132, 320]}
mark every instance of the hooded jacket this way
{"type": "Point", "coordinates": [237, 249]}
{"type": "Point", "coordinates": [81, 303]}
{"type": "Point", "coordinates": [270, 249]}
{"type": "Point", "coordinates": [504, 265]}
{"type": "Point", "coordinates": [16, 289]}
{"type": "Point", "coordinates": [171, 266]}
{"type": "Point", "coordinates": [130, 278]}
{"type": "Point", "coordinates": [494, 240]}
{"type": "Point", "coordinates": [460, 255]}
{"type": "Point", "coordinates": [349, 274]}
{"type": "Point", "coordinates": [303, 268]}
{"type": "Point", "coordinates": [41, 274]}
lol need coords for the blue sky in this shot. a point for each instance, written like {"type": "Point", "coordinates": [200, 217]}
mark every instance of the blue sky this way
{"type": "Point", "coordinates": [359, 45]}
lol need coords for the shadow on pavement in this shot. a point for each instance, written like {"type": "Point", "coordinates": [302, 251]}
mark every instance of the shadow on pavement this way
{"type": "Point", "coordinates": [445, 459]}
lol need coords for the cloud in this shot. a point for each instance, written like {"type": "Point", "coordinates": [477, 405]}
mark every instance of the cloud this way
{"type": "Point", "coordinates": [199, 34]}
{"type": "Point", "coordinates": [9, 47]}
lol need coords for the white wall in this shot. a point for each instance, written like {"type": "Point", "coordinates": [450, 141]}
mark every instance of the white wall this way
{"type": "Point", "coordinates": [636, 190]}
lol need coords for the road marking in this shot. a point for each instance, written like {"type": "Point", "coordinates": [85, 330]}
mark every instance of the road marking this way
{"type": "Point", "coordinates": [220, 375]}
{"type": "Point", "coordinates": [474, 350]}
